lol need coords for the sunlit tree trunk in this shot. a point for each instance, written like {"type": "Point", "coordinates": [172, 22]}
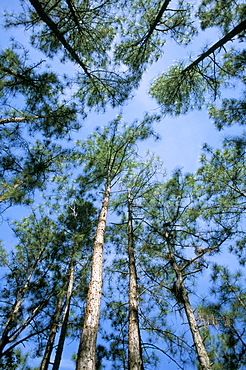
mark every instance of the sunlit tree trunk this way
{"type": "Point", "coordinates": [135, 361]}
{"type": "Point", "coordinates": [198, 342]}
{"type": "Point", "coordinates": [86, 359]}
{"type": "Point", "coordinates": [182, 297]}
{"type": "Point", "coordinates": [200, 348]}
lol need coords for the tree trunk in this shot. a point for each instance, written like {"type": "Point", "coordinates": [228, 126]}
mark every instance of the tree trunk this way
{"type": "Point", "coordinates": [55, 320]}
{"type": "Point", "coordinates": [157, 20]}
{"type": "Point", "coordinates": [135, 361]}
{"type": "Point", "coordinates": [50, 343]}
{"type": "Point", "coordinates": [64, 319]}
{"type": "Point", "coordinates": [200, 348]}
{"type": "Point", "coordinates": [183, 297]}
{"type": "Point", "coordinates": [87, 349]}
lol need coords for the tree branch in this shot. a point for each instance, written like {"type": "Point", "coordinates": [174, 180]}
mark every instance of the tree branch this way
{"type": "Point", "coordinates": [239, 28]}
{"type": "Point", "coordinates": [48, 21]}
{"type": "Point", "coordinates": [19, 119]}
{"type": "Point", "coordinates": [157, 20]}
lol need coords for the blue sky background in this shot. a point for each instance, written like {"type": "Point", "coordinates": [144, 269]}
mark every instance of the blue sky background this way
{"type": "Point", "coordinates": [182, 137]}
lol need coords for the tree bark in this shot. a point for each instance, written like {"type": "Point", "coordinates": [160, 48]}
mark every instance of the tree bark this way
{"type": "Point", "coordinates": [3, 121]}
{"type": "Point", "coordinates": [55, 320]}
{"type": "Point", "coordinates": [135, 361]}
{"type": "Point", "coordinates": [183, 298]}
{"type": "Point", "coordinates": [86, 359]}
{"type": "Point", "coordinates": [200, 348]}
{"type": "Point", "coordinates": [64, 319]}
{"type": "Point", "coordinates": [52, 334]}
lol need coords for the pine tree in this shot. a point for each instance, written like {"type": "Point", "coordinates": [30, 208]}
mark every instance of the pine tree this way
{"type": "Point", "coordinates": [26, 294]}
{"type": "Point", "coordinates": [147, 29]}
{"type": "Point", "coordinates": [221, 178]}
{"type": "Point", "coordinates": [106, 156]}
{"type": "Point", "coordinates": [179, 244]}
{"type": "Point", "coordinates": [135, 361]}
{"type": "Point", "coordinates": [176, 228]}
{"type": "Point", "coordinates": [126, 235]}
{"type": "Point", "coordinates": [51, 259]}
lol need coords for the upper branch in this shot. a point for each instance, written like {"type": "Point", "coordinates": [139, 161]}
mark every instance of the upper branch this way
{"type": "Point", "coordinates": [238, 29]}
{"type": "Point", "coordinates": [46, 19]}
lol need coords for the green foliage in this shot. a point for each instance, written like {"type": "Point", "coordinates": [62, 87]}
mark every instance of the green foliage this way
{"type": "Point", "coordinates": [222, 179]}
{"type": "Point", "coordinates": [25, 167]}
{"type": "Point", "coordinates": [178, 91]}
{"type": "Point", "coordinates": [185, 87]}
{"type": "Point", "coordinates": [38, 270]}
{"type": "Point", "coordinates": [15, 361]}
{"type": "Point", "coordinates": [83, 33]}
{"type": "Point", "coordinates": [224, 316]}
{"type": "Point", "coordinates": [147, 28]}
{"type": "Point", "coordinates": [3, 256]}
{"type": "Point", "coordinates": [35, 96]}
{"type": "Point", "coordinates": [182, 224]}
{"type": "Point", "coordinates": [110, 150]}
{"type": "Point", "coordinates": [222, 14]}
{"type": "Point", "coordinates": [31, 104]}
{"type": "Point", "coordinates": [232, 110]}
{"type": "Point", "coordinates": [116, 312]}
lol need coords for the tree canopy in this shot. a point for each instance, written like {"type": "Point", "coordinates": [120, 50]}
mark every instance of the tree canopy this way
{"type": "Point", "coordinates": [108, 260]}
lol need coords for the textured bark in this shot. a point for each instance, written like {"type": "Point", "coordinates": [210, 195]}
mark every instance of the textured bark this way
{"type": "Point", "coordinates": [65, 317]}
{"type": "Point", "coordinates": [200, 348]}
{"type": "Point", "coordinates": [56, 318]}
{"type": "Point", "coordinates": [52, 334]}
{"type": "Point", "coordinates": [3, 121]}
{"type": "Point", "coordinates": [135, 361]}
{"type": "Point", "coordinates": [183, 298]}
{"type": "Point", "coordinates": [87, 349]}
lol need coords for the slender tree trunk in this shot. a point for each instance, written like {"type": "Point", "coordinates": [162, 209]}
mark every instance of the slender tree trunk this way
{"type": "Point", "coordinates": [55, 320]}
{"type": "Point", "coordinates": [157, 20]}
{"type": "Point", "coordinates": [200, 348]}
{"type": "Point", "coordinates": [87, 349]}
{"type": "Point", "coordinates": [4, 340]}
{"type": "Point", "coordinates": [135, 361]}
{"type": "Point", "coordinates": [183, 297]}
{"type": "Point", "coordinates": [64, 319]}
{"type": "Point", "coordinates": [3, 121]}
{"type": "Point", "coordinates": [50, 343]}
